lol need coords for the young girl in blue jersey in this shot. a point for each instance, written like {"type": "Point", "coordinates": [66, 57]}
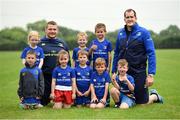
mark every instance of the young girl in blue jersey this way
{"type": "Point", "coordinates": [31, 83]}
{"type": "Point", "coordinates": [33, 40]}
{"type": "Point", "coordinates": [82, 41]}
{"type": "Point", "coordinates": [101, 47]}
{"type": "Point", "coordinates": [83, 76]}
{"type": "Point", "coordinates": [63, 88]}
{"type": "Point", "coordinates": [124, 84]}
{"type": "Point", "coordinates": [99, 85]}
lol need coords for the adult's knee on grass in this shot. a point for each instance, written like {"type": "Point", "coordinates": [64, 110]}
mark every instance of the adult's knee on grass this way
{"type": "Point", "coordinates": [124, 106]}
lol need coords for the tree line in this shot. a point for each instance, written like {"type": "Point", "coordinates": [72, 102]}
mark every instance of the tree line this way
{"type": "Point", "coordinates": [15, 38]}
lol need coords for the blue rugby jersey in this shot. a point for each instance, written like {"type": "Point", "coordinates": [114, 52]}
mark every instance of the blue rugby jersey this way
{"type": "Point", "coordinates": [99, 82]}
{"type": "Point", "coordinates": [83, 77]}
{"type": "Point", "coordinates": [102, 49]}
{"type": "Point", "coordinates": [39, 53]}
{"type": "Point", "coordinates": [124, 87]}
{"type": "Point", "coordinates": [75, 56]}
{"type": "Point", "coordinates": [63, 76]}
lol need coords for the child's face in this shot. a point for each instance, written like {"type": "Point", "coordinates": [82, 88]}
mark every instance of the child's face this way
{"type": "Point", "coordinates": [82, 59]}
{"type": "Point", "coordinates": [100, 68]}
{"type": "Point", "coordinates": [33, 40]}
{"type": "Point", "coordinates": [82, 41]}
{"type": "Point", "coordinates": [122, 69]}
{"type": "Point", "coordinates": [31, 59]}
{"type": "Point", "coordinates": [100, 33]}
{"type": "Point", "coordinates": [63, 60]}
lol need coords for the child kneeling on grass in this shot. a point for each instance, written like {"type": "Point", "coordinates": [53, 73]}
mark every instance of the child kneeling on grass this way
{"type": "Point", "coordinates": [63, 88]}
{"type": "Point", "coordinates": [100, 85]}
{"type": "Point", "coordinates": [31, 83]}
{"type": "Point", "coordinates": [124, 87]}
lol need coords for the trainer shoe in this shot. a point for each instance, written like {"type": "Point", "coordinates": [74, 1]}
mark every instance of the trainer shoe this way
{"type": "Point", "coordinates": [160, 98]}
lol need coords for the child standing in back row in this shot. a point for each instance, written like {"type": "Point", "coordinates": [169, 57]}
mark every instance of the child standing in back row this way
{"type": "Point", "coordinates": [101, 47]}
{"type": "Point", "coordinates": [83, 76]}
{"type": "Point", "coordinates": [82, 41]}
{"type": "Point", "coordinates": [33, 40]}
{"type": "Point", "coordinates": [63, 88]}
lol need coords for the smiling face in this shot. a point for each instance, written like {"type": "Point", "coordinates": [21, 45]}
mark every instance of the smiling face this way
{"type": "Point", "coordinates": [130, 18]}
{"type": "Point", "coordinates": [100, 33]}
{"type": "Point", "coordinates": [63, 60]}
{"type": "Point", "coordinates": [122, 69]}
{"type": "Point", "coordinates": [51, 31]}
{"type": "Point", "coordinates": [82, 59]}
{"type": "Point", "coordinates": [82, 41]}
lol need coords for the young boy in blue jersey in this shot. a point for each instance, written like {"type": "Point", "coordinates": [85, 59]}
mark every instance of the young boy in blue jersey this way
{"type": "Point", "coordinates": [123, 90]}
{"type": "Point", "coordinates": [83, 76]}
{"type": "Point", "coordinates": [101, 47]}
{"type": "Point", "coordinates": [124, 84]}
{"type": "Point", "coordinates": [100, 85]}
{"type": "Point", "coordinates": [33, 40]}
{"type": "Point", "coordinates": [82, 41]}
{"type": "Point", "coordinates": [63, 88]}
{"type": "Point", "coordinates": [31, 83]}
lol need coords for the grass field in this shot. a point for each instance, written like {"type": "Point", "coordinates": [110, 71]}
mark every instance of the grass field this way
{"type": "Point", "coordinates": [167, 82]}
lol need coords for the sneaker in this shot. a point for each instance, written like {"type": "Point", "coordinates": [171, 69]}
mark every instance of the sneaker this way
{"type": "Point", "coordinates": [40, 106]}
{"type": "Point", "coordinates": [160, 98]}
{"type": "Point", "coordinates": [116, 105]}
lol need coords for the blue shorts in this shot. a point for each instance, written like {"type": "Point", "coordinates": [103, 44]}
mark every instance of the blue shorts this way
{"type": "Point", "coordinates": [125, 99]}
{"type": "Point", "coordinates": [30, 101]}
{"type": "Point", "coordinates": [82, 100]}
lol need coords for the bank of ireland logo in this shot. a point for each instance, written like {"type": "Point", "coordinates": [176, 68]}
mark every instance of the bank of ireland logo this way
{"type": "Point", "coordinates": [105, 47]}
{"type": "Point", "coordinates": [43, 44]}
{"type": "Point", "coordinates": [138, 34]}
{"type": "Point", "coordinates": [94, 80]}
{"type": "Point", "coordinates": [78, 73]}
{"type": "Point", "coordinates": [103, 79]}
{"type": "Point", "coordinates": [60, 45]}
{"type": "Point", "coordinates": [59, 74]}
{"type": "Point", "coordinates": [68, 74]}
{"type": "Point", "coordinates": [120, 33]}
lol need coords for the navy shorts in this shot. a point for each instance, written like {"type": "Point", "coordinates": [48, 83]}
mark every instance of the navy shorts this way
{"type": "Point", "coordinates": [141, 91]}
{"type": "Point", "coordinates": [30, 101]}
{"type": "Point", "coordinates": [82, 100]}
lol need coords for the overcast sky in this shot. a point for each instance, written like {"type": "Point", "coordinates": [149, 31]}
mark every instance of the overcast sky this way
{"type": "Point", "coordinates": [85, 14]}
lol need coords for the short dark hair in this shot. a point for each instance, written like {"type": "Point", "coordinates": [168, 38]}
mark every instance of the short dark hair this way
{"type": "Point", "coordinates": [129, 10]}
{"type": "Point", "coordinates": [100, 25]}
{"type": "Point", "coordinates": [83, 52]}
{"type": "Point", "coordinates": [51, 23]}
{"type": "Point", "coordinates": [31, 52]}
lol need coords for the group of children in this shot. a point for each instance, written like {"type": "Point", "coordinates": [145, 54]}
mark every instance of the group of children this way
{"type": "Point", "coordinates": [86, 83]}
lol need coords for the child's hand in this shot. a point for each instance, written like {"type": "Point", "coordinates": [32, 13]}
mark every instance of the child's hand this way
{"type": "Point", "coordinates": [103, 101]}
{"type": "Point", "coordinates": [79, 93]}
{"type": "Point", "coordinates": [94, 47]}
{"type": "Point", "coordinates": [86, 93]}
{"type": "Point", "coordinates": [37, 97]}
{"type": "Point", "coordinates": [73, 96]}
{"type": "Point", "coordinates": [123, 79]}
{"type": "Point", "coordinates": [113, 77]}
{"type": "Point", "coordinates": [21, 99]}
{"type": "Point", "coordinates": [94, 100]}
{"type": "Point", "coordinates": [52, 96]}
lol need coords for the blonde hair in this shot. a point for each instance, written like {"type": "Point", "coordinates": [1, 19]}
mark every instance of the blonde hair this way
{"type": "Point", "coordinates": [100, 61]}
{"type": "Point", "coordinates": [60, 53]}
{"type": "Point", "coordinates": [81, 34]}
{"type": "Point", "coordinates": [33, 33]}
{"type": "Point", "coordinates": [100, 25]}
{"type": "Point", "coordinates": [122, 62]}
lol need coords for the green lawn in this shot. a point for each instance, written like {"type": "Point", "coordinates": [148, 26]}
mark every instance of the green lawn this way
{"type": "Point", "coordinates": [166, 82]}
